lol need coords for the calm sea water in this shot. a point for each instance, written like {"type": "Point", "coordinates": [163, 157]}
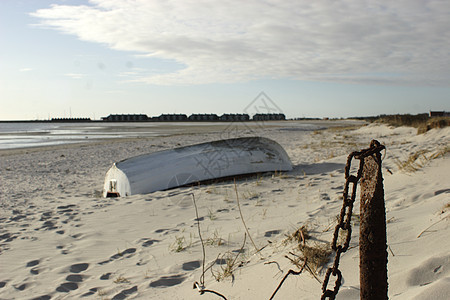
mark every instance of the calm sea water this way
{"type": "Point", "coordinates": [34, 134]}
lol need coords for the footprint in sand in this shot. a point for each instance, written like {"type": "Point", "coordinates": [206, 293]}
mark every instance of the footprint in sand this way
{"type": "Point", "coordinates": [166, 281]}
{"type": "Point", "coordinates": [47, 225]}
{"type": "Point", "coordinates": [91, 292]}
{"type": "Point", "coordinates": [67, 287]}
{"type": "Point", "coordinates": [125, 254]}
{"type": "Point", "coordinates": [67, 211]}
{"type": "Point", "coordinates": [191, 265]}
{"type": "Point", "coordinates": [271, 233]}
{"type": "Point", "coordinates": [44, 297]}
{"type": "Point", "coordinates": [125, 293]}
{"type": "Point", "coordinates": [66, 208]}
{"type": "Point", "coordinates": [240, 250]}
{"type": "Point", "coordinates": [63, 251]}
{"type": "Point", "coordinates": [7, 237]}
{"type": "Point", "coordinates": [221, 261]}
{"type": "Point", "coordinates": [166, 231]}
{"type": "Point", "coordinates": [77, 268]}
{"type": "Point", "coordinates": [147, 242]}
{"type": "Point", "coordinates": [72, 280]}
{"type": "Point", "coordinates": [34, 271]}
{"type": "Point", "coordinates": [324, 196]}
{"type": "Point", "coordinates": [17, 218]}
{"type": "Point", "coordinates": [105, 276]}
{"type": "Point", "coordinates": [21, 287]}
{"type": "Point", "coordinates": [33, 263]}
{"type": "Point", "coordinates": [46, 215]}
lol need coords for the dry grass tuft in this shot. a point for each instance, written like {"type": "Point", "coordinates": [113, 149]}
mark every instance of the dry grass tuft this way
{"type": "Point", "coordinates": [180, 244]}
{"type": "Point", "coordinates": [434, 123]}
{"type": "Point", "coordinates": [422, 122]}
{"type": "Point", "coordinates": [403, 120]}
{"type": "Point", "coordinates": [121, 279]}
{"type": "Point", "coordinates": [299, 236]}
{"type": "Point", "coordinates": [230, 264]}
{"type": "Point", "coordinates": [215, 240]}
{"type": "Point", "coordinates": [228, 268]}
{"type": "Point", "coordinates": [279, 175]}
{"type": "Point", "coordinates": [315, 254]}
{"type": "Point", "coordinates": [412, 163]}
{"type": "Point", "coordinates": [419, 159]}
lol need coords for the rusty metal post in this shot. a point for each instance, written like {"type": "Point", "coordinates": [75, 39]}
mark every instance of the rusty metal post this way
{"type": "Point", "coordinates": [372, 239]}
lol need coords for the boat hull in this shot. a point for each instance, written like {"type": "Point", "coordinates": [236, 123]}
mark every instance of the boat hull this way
{"type": "Point", "coordinates": [191, 164]}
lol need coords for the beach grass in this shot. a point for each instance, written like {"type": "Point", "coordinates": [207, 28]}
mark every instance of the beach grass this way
{"type": "Point", "coordinates": [227, 270]}
{"type": "Point", "coordinates": [121, 279]}
{"type": "Point", "coordinates": [440, 122]}
{"type": "Point", "coordinates": [314, 255]}
{"type": "Point", "coordinates": [418, 159]}
{"type": "Point", "coordinates": [180, 244]}
{"type": "Point", "coordinates": [423, 122]}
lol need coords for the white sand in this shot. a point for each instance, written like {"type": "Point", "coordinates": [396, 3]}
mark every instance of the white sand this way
{"type": "Point", "coordinates": [60, 240]}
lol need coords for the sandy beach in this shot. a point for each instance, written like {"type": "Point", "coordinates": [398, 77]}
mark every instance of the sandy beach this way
{"type": "Point", "coordinates": [59, 239]}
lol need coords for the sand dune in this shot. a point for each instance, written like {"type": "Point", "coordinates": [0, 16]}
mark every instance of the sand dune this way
{"type": "Point", "coordinates": [60, 240]}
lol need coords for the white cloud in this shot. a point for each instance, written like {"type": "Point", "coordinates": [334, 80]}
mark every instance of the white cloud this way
{"type": "Point", "coordinates": [75, 75]}
{"type": "Point", "coordinates": [384, 42]}
{"type": "Point", "coordinates": [25, 70]}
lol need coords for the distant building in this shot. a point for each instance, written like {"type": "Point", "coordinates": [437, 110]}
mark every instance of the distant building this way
{"type": "Point", "coordinates": [172, 118]}
{"type": "Point", "coordinates": [126, 118]}
{"type": "Point", "coordinates": [439, 114]}
{"type": "Point", "coordinates": [234, 117]}
{"type": "Point", "coordinates": [192, 118]}
{"type": "Point", "coordinates": [203, 118]}
{"type": "Point", "coordinates": [71, 120]}
{"type": "Point", "coordinates": [269, 117]}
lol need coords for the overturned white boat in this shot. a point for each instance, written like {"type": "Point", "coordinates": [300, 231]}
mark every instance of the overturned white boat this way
{"type": "Point", "coordinates": [187, 165]}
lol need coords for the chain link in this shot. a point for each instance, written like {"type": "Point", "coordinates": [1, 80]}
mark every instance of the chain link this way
{"type": "Point", "coordinates": [345, 216]}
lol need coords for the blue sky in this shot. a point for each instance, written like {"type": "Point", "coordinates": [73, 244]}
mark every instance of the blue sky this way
{"type": "Point", "coordinates": [319, 58]}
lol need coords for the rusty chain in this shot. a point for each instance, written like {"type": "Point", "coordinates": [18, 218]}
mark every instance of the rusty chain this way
{"type": "Point", "coordinates": [345, 218]}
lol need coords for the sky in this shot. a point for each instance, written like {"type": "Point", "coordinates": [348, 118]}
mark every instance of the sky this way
{"type": "Point", "coordinates": [303, 58]}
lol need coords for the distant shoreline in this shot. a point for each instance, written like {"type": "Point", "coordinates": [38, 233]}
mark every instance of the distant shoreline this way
{"type": "Point", "coordinates": [26, 135]}
{"type": "Point", "coordinates": [50, 121]}
{"type": "Point", "coordinates": [188, 121]}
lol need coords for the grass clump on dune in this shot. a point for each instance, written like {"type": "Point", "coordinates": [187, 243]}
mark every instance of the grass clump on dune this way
{"type": "Point", "coordinates": [419, 159]}
{"type": "Point", "coordinates": [404, 120]}
{"type": "Point", "coordinates": [315, 254]}
{"type": "Point", "coordinates": [423, 122]}
{"type": "Point", "coordinates": [434, 123]}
